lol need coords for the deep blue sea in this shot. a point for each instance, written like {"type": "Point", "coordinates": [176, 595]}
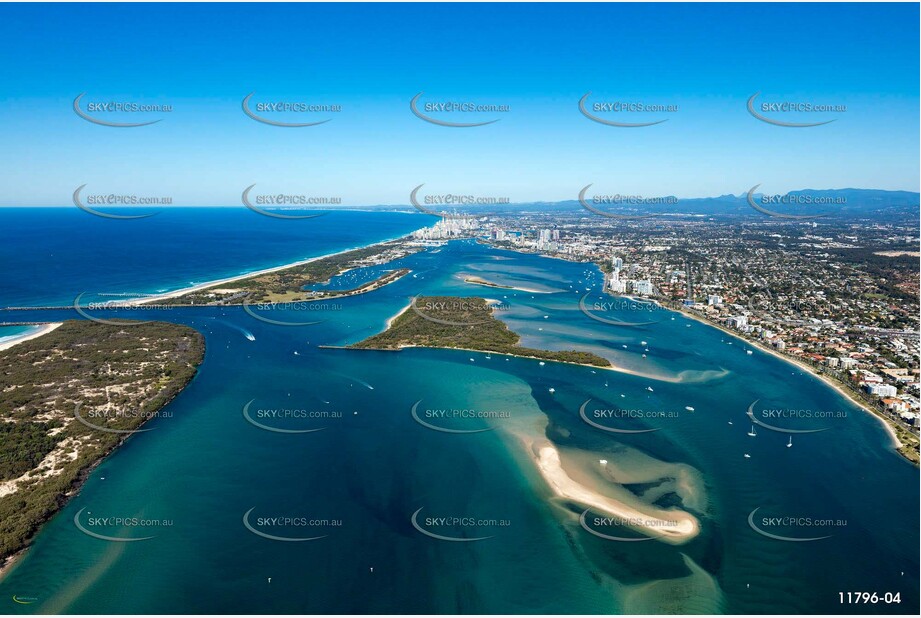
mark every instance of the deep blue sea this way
{"type": "Point", "coordinates": [226, 485]}
{"type": "Point", "coordinates": [50, 255]}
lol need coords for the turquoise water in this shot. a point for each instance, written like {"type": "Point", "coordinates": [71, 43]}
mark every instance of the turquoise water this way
{"type": "Point", "coordinates": [8, 333]}
{"type": "Point", "coordinates": [370, 468]}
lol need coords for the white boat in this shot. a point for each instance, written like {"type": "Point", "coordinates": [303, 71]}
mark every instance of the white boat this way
{"type": "Point", "coordinates": [689, 408]}
{"type": "Point", "coordinates": [730, 422]}
{"type": "Point", "coordinates": [790, 443]}
{"type": "Point", "coordinates": [552, 390]}
{"type": "Point", "coordinates": [748, 351]}
{"type": "Point", "coordinates": [603, 462]}
{"type": "Point", "coordinates": [542, 363]}
{"type": "Point", "coordinates": [747, 456]}
{"type": "Point", "coordinates": [642, 343]}
{"type": "Point", "coordinates": [752, 432]}
{"type": "Point", "coordinates": [649, 388]}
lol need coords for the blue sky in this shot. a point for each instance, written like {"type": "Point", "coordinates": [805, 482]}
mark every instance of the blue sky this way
{"type": "Point", "coordinates": [539, 59]}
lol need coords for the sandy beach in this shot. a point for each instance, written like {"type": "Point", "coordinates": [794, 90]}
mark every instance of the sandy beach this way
{"type": "Point", "coordinates": [801, 365]}
{"type": "Point", "coordinates": [210, 284]}
{"type": "Point", "coordinates": [675, 527]}
{"type": "Point", "coordinates": [44, 329]}
{"type": "Point", "coordinates": [489, 284]}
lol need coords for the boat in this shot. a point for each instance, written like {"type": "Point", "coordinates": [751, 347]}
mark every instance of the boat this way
{"type": "Point", "coordinates": [752, 432]}
{"type": "Point", "coordinates": [748, 351]}
{"type": "Point", "coordinates": [542, 363]}
{"type": "Point", "coordinates": [689, 408]}
{"type": "Point", "coordinates": [649, 388]}
{"type": "Point", "coordinates": [552, 390]}
{"type": "Point", "coordinates": [730, 422]}
{"type": "Point", "coordinates": [642, 343]}
{"type": "Point", "coordinates": [790, 443]}
{"type": "Point", "coordinates": [747, 456]}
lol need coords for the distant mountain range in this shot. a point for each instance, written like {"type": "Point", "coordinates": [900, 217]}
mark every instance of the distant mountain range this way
{"type": "Point", "coordinates": [847, 202]}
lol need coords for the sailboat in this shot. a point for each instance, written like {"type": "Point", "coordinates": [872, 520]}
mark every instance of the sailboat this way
{"type": "Point", "coordinates": [790, 443]}
{"type": "Point", "coordinates": [752, 432]}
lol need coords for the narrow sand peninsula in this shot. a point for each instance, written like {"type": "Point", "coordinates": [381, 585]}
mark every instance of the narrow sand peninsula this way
{"type": "Point", "coordinates": [472, 280]}
{"type": "Point", "coordinates": [679, 528]}
{"type": "Point", "coordinates": [153, 298]}
{"type": "Point", "coordinates": [44, 329]}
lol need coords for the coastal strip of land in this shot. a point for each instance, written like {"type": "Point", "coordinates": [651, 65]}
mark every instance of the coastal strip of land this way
{"type": "Point", "coordinates": [903, 441]}
{"type": "Point", "coordinates": [72, 396]}
{"type": "Point", "coordinates": [288, 283]}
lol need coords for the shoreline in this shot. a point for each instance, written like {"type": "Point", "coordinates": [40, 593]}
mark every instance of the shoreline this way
{"type": "Point", "coordinates": [256, 273]}
{"type": "Point", "coordinates": [42, 330]}
{"type": "Point", "coordinates": [679, 529]}
{"type": "Point", "coordinates": [83, 475]}
{"type": "Point", "coordinates": [473, 280]}
{"type": "Point", "coordinates": [828, 381]}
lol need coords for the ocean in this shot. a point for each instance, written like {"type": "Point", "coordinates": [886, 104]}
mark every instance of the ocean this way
{"type": "Point", "coordinates": [215, 479]}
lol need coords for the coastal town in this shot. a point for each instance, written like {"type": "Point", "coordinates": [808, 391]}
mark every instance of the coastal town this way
{"type": "Point", "coordinates": [839, 297]}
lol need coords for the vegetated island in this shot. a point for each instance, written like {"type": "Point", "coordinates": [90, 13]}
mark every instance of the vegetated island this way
{"type": "Point", "coordinates": [63, 394]}
{"type": "Point", "coordinates": [466, 323]}
{"type": "Point", "coordinates": [285, 285]}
